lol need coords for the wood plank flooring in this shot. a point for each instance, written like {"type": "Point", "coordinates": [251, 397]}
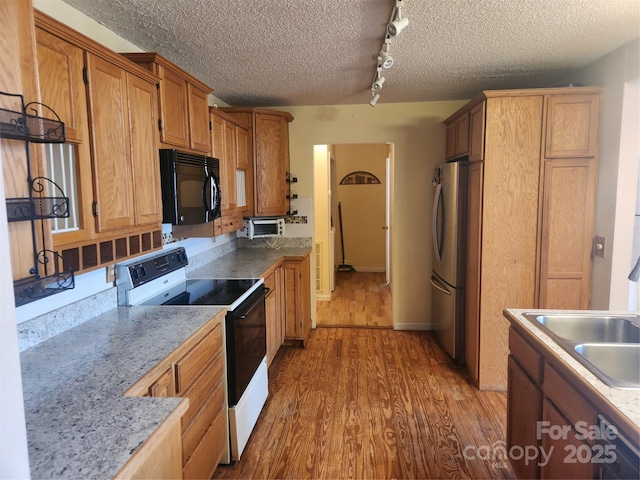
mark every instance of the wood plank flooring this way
{"type": "Point", "coordinates": [372, 404]}
{"type": "Point", "coordinates": [361, 299]}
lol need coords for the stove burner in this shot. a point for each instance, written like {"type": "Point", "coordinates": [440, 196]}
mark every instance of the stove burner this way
{"type": "Point", "coordinates": [217, 292]}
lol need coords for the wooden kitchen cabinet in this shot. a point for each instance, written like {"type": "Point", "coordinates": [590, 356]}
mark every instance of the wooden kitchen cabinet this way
{"type": "Point", "coordinates": [523, 413]}
{"type": "Point", "coordinates": [297, 284]}
{"type": "Point", "coordinates": [529, 216]}
{"type": "Point", "coordinates": [111, 106]}
{"type": "Point", "coordinates": [457, 136]}
{"type": "Point", "coordinates": [184, 104]}
{"type": "Point", "coordinates": [160, 456]}
{"type": "Point", "coordinates": [275, 312]}
{"type": "Point", "coordinates": [540, 390]}
{"type": "Point", "coordinates": [230, 144]}
{"type": "Point", "coordinates": [269, 141]}
{"type": "Point", "coordinates": [195, 370]}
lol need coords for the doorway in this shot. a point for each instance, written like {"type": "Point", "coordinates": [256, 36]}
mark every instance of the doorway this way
{"type": "Point", "coordinates": [352, 234]}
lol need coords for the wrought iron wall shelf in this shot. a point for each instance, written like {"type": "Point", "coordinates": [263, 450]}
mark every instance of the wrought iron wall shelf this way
{"type": "Point", "coordinates": [291, 178]}
{"type": "Point", "coordinates": [31, 128]}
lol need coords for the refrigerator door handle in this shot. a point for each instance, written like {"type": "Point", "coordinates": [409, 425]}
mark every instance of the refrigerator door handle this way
{"type": "Point", "coordinates": [434, 220]}
{"type": "Point", "coordinates": [435, 283]}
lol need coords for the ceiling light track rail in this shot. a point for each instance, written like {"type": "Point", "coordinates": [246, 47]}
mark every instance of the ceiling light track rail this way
{"type": "Point", "coordinates": [383, 58]}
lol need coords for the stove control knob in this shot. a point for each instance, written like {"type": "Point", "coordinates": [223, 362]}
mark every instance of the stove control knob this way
{"type": "Point", "coordinates": [143, 272]}
{"type": "Point", "coordinates": [134, 273]}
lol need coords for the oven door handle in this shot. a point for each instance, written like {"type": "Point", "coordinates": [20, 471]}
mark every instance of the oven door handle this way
{"type": "Point", "coordinates": [246, 312]}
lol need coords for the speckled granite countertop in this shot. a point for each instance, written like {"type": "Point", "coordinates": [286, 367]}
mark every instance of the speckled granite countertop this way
{"type": "Point", "coordinates": [245, 262]}
{"type": "Point", "coordinates": [79, 425]}
{"type": "Point", "coordinates": [627, 402]}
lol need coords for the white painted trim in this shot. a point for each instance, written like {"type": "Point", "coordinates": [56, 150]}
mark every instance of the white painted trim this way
{"type": "Point", "coordinates": [323, 298]}
{"type": "Point", "coordinates": [413, 326]}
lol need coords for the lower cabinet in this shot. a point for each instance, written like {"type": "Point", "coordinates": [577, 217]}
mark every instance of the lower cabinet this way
{"type": "Point", "coordinates": [195, 370]}
{"type": "Point", "coordinates": [160, 457]}
{"type": "Point", "coordinates": [274, 311]}
{"type": "Point", "coordinates": [297, 285]}
{"type": "Point", "coordinates": [546, 417]}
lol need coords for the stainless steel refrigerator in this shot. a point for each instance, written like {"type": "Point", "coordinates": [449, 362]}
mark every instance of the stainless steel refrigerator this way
{"type": "Point", "coordinates": [447, 276]}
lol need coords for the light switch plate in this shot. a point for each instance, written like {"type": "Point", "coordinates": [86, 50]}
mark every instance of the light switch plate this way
{"type": "Point", "coordinates": [599, 244]}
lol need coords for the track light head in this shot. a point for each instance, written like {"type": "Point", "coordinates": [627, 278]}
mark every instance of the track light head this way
{"type": "Point", "coordinates": [374, 100]}
{"type": "Point", "coordinates": [377, 85]}
{"type": "Point", "coordinates": [395, 27]}
{"type": "Point", "coordinates": [385, 59]}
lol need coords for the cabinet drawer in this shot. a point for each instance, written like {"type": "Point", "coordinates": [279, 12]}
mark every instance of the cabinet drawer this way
{"type": "Point", "coordinates": [201, 389]}
{"type": "Point", "coordinates": [194, 432]}
{"type": "Point", "coordinates": [189, 367]}
{"type": "Point", "coordinates": [528, 358]}
{"type": "Point", "coordinates": [207, 455]}
{"type": "Point", "coordinates": [566, 398]}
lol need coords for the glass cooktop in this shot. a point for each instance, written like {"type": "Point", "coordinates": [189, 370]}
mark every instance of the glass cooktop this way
{"type": "Point", "coordinates": [216, 292]}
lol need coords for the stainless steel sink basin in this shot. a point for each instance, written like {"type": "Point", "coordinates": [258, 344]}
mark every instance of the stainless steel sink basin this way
{"type": "Point", "coordinates": [585, 328]}
{"type": "Point", "coordinates": [607, 345]}
{"type": "Point", "coordinates": [618, 363]}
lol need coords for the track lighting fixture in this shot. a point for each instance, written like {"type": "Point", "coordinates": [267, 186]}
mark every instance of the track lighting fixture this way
{"type": "Point", "coordinates": [395, 27]}
{"type": "Point", "coordinates": [377, 85]}
{"type": "Point", "coordinates": [383, 58]}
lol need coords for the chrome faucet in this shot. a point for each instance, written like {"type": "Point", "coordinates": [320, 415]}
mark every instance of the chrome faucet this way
{"type": "Point", "coordinates": [634, 276]}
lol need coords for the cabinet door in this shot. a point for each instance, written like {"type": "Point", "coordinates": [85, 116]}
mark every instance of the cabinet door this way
{"type": "Point", "coordinates": [60, 67]}
{"type": "Point", "coordinates": [476, 133]}
{"type": "Point", "coordinates": [62, 88]}
{"type": "Point", "coordinates": [297, 281]}
{"type": "Point", "coordinates": [173, 108]}
{"type": "Point", "coordinates": [230, 157]}
{"type": "Point", "coordinates": [472, 289]}
{"type": "Point", "coordinates": [571, 456]}
{"type": "Point", "coordinates": [198, 108]}
{"type": "Point", "coordinates": [221, 152]}
{"type": "Point", "coordinates": [568, 204]}
{"type": "Point", "coordinates": [165, 385]}
{"type": "Point", "coordinates": [271, 311]}
{"type": "Point", "coordinates": [110, 141]}
{"type": "Point", "coordinates": [524, 405]}
{"type": "Point", "coordinates": [271, 140]}
{"type": "Point", "coordinates": [244, 173]}
{"type": "Point", "coordinates": [450, 150]}
{"type": "Point", "coordinates": [144, 150]}
{"type": "Point", "coordinates": [462, 134]}
{"type": "Point", "coordinates": [572, 126]}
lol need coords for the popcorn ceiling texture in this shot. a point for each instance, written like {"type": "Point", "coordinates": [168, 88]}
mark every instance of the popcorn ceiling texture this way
{"type": "Point", "coordinates": [320, 52]}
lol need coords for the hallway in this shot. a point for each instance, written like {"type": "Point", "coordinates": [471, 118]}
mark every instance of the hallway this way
{"type": "Point", "coordinates": [360, 299]}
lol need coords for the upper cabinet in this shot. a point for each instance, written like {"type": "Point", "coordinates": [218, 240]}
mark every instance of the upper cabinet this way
{"type": "Point", "coordinates": [230, 144]}
{"type": "Point", "coordinates": [457, 136]}
{"type": "Point", "coordinates": [184, 106]}
{"type": "Point", "coordinates": [269, 140]}
{"type": "Point", "coordinates": [109, 165]}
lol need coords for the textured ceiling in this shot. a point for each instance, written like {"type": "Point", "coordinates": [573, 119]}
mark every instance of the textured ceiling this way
{"type": "Point", "coordinates": [320, 52]}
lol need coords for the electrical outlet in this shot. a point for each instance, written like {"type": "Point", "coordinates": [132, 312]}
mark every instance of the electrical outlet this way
{"type": "Point", "coordinates": [111, 274]}
{"type": "Point", "coordinates": [599, 244]}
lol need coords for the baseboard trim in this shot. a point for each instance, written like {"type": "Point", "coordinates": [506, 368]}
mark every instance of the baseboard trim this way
{"type": "Point", "coordinates": [323, 298]}
{"type": "Point", "coordinates": [413, 326]}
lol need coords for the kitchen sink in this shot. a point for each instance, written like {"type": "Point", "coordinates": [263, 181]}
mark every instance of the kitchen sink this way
{"type": "Point", "coordinates": [618, 363]}
{"type": "Point", "coordinates": [586, 328]}
{"type": "Point", "coordinates": [608, 345]}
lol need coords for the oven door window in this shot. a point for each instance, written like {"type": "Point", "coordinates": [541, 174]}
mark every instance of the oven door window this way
{"type": "Point", "coordinates": [246, 343]}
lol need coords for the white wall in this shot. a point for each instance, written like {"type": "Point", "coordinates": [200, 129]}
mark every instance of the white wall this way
{"type": "Point", "coordinates": [612, 71]}
{"type": "Point", "coordinates": [418, 135]}
{"type": "Point", "coordinates": [14, 460]}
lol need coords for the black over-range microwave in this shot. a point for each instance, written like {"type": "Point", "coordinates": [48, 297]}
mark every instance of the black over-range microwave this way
{"type": "Point", "coordinates": [190, 187]}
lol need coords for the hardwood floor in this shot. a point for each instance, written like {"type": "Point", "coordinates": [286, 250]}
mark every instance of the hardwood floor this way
{"type": "Point", "coordinates": [373, 404]}
{"type": "Point", "coordinates": [361, 299]}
